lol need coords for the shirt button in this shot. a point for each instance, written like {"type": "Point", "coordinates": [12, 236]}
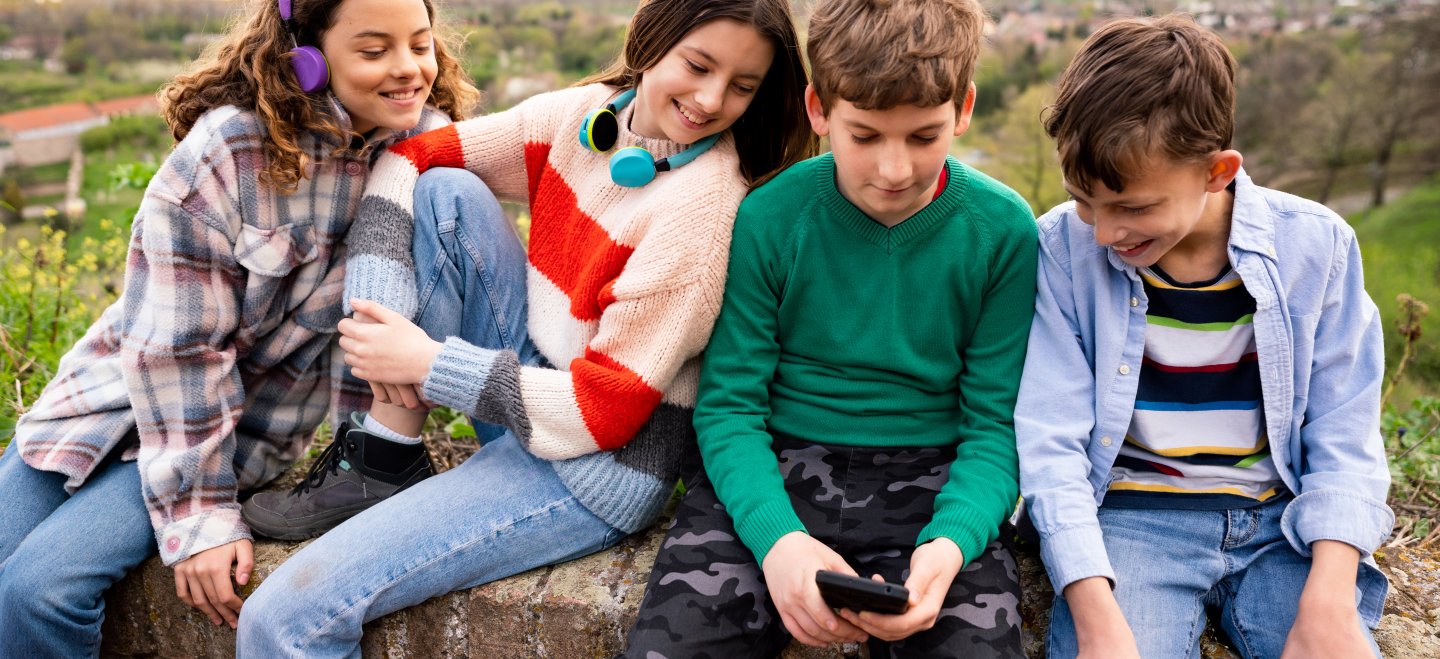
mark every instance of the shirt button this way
{"type": "Point", "coordinates": [1271, 250]}
{"type": "Point", "coordinates": [1124, 369]}
{"type": "Point", "coordinates": [1106, 441]}
{"type": "Point", "coordinates": [1134, 301]}
{"type": "Point", "coordinates": [353, 168]}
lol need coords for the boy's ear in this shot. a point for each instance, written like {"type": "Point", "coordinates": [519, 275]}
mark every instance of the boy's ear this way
{"type": "Point", "coordinates": [816, 111]}
{"type": "Point", "coordinates": [963, 113]}
{"type": "Point", "coordinates": [1224, 167]}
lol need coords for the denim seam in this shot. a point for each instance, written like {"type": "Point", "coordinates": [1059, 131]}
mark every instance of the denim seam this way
{"type": "Point", "coordinates": [370, 596]}
{"type": "Point", "coordinates": [487, 280]}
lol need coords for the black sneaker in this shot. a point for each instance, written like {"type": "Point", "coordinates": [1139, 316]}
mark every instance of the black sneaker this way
{"type": "Point", "coordinates": [354, 472]}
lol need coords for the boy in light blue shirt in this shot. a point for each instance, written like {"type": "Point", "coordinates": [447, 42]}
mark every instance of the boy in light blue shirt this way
{"type": "Point", "coordinates": [1198, 420]}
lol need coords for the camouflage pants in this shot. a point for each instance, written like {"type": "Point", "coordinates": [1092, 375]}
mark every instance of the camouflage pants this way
{"type": "Point", "coordinates": [707, 595]}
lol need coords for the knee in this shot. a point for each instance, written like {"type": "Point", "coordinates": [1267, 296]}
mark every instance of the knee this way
{"type": "Point", "coordinates": [264, 618]}
{"type": "Point", "coordinates": [456, 195]}
{"type": "Point", "coordinates": [33, 590]}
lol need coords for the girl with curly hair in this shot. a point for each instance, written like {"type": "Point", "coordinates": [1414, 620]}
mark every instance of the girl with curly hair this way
{"type": "Point", "coordinates": [209, 375]}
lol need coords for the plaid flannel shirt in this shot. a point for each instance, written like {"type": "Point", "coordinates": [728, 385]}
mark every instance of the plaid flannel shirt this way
{"type": "Point", "coordinates": [222, 353]}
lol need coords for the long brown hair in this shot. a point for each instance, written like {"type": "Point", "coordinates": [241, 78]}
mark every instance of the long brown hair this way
{"type": "Point", "coordinates": [774, 132]}
{"type": "Point", "coordinates": [249, 68]}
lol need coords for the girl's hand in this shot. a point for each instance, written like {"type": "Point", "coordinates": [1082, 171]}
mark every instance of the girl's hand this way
{"type": "Point", "coordinates": [933, 567]}
{"type": "Point", "coordinates": [392, 350]}
{"type": "Point", "coordinates": [408, 396]}
{"type": "Point", "coordinates": [790, 569]}
{"type": "Point", "coordinates": [203, 580]}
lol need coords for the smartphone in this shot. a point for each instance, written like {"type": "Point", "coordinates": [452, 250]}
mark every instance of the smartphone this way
{"type": "Point", "coordinates": [842, 591]}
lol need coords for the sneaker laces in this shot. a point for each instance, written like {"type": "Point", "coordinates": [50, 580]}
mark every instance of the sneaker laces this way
{"type": "Point", "coordinates": [328, 462]}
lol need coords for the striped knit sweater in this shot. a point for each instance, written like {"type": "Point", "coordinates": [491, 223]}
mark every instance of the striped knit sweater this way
{"type": "Point", "coordinates": [623, 284]}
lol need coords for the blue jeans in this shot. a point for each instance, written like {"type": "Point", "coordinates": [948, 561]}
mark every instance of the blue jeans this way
{"type": "Point", "coordinates": [500, 513]}
{"type": "Point", "coordinates": [1172, 565]}
{"type": "Point", "coordinates": [59, 553]}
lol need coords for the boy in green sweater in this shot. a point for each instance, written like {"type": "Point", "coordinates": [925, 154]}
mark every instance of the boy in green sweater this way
{"type": "Point", "coordinates": [855, 405]}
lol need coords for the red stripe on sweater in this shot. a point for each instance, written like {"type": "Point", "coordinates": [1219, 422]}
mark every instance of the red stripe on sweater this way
{"type": "Point", "coordinates": [536, 156]}
{"type": "Point", "coordinates": [437, 148]}
{"type": "Point", "coordinates": [1207, 368]}
{"type": "Point", "coordinates": [613, 400]}
{"type": "Point", "coordinates": [571, 249]}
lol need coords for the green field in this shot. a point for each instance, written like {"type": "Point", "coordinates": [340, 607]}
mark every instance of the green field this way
{"type": "Point", "coordinates": [1401, 246]}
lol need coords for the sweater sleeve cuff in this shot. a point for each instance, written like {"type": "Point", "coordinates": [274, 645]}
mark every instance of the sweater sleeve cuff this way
{"type": "Point", "coordinates": [1075, 553]}
{"type": "Point", "coordinates": [388, 282]}
{"type": "Point", "coordinates": [1360, 522]}
{"type": "Point", "coordinates": [970, 530]}
{"type": "Point", "coordinates": [183, 538]}
{"type": "Point", "coordinates": [460, 375]}
{"type": "Point", "coordinates": [764, 526]}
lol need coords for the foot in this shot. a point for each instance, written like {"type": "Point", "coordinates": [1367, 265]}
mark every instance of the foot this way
{"type": "Point", "coordinates": [354, 472]}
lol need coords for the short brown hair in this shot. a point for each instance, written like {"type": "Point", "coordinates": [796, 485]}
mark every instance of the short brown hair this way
{"type": "Point", "coordinates": [878, 54]}
{"type": "Point", "coordinates": [1140, 88]}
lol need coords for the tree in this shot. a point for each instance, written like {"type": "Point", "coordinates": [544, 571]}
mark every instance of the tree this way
{"type": "Point", "coordinates": [1023, 155]}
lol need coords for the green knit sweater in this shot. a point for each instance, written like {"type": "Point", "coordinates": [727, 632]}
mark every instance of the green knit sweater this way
{"type": "Point", "coordinates": [837, 330]}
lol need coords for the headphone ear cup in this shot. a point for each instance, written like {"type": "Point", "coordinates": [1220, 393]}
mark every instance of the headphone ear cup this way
{"type": "Point", "coordinates": [311, 69]}
{"type": "Point", "coordinates": [600, 130]}
{"type": "Point", "coordinates": [632, 167]}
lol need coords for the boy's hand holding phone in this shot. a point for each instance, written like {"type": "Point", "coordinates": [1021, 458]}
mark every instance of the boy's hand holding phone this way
{"type": "Point", "coordinates": [933, 567]}
{"type": "Point", "coordinates": [790, 568]}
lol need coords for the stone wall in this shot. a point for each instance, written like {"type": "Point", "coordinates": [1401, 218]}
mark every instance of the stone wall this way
{"type": "Point", "coordinates": [583, 608]}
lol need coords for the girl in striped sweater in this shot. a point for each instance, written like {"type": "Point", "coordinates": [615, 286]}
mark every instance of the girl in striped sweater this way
{"type": "Point", "coordinates": [578, 360]}
{"type": "Point", "coordinates": [210, 373]}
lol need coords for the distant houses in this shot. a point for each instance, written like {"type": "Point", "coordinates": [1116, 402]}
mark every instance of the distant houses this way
{"type": "Point", "coordinates": [40, 136]}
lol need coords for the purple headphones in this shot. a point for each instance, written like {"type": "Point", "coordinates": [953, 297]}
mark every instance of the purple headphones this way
{"type": "Point", "coordinates": [311, 69]}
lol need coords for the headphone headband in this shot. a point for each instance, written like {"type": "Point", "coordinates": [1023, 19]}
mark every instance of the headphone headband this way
{"type": "Point", "coordinates": [311, 69]}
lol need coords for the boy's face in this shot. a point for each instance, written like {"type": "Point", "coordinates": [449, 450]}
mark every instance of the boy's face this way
{"type": "Point", "coordinates": [1169, 208]}
{"type": "Point", "coordinates": [887, 162]}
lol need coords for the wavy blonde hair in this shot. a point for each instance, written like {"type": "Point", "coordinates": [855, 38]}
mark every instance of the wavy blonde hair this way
{"type": "Point", "coordinates": [250, 68]}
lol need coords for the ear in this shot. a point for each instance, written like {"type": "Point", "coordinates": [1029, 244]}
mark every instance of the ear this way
{"type": "Point", "coordinates": [963, 113]}
{"type": "Point", "coordinates": [1224, 167]}
{"type": "Point", "coordinates": [816, 111]}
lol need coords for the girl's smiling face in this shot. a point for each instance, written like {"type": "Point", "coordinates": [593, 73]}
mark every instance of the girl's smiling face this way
{"type": "Point", "coordinates": [704, 84]}
{"type": "Point", "coordinates": [382, 62]}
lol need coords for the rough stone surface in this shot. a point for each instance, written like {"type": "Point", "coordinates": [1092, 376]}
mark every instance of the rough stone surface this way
{"type": "Point", "coordinates": [582, 609]}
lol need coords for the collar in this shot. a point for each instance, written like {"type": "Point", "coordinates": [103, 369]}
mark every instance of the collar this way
{"type": "Point", "coordinates": [1251, 228]}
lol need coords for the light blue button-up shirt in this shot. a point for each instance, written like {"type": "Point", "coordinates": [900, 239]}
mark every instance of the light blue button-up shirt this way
{"type": "Point", "coordinates": [1321, 355]}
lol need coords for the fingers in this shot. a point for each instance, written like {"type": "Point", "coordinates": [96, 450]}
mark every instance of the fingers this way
{"type": "Point", "coordinates": [226, 601]}
{"type": "Point", "coordinates": [244, 562]}
{"type": "Point", "coordinates": [379, 313]}
{"type": "Point", "coordinates": [381, 396]}
{"type": "Point", "coordinates": [410, 397]}
{"type": "Point", "coordinates": [200, 599]}
{"type": "Point", "coordinates": [801, 632]}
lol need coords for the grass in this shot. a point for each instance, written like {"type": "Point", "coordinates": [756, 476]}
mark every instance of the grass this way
{"type": "Point", "coordinates": [1401, 246]}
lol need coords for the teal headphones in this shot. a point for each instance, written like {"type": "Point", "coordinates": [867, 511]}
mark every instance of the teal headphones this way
{"type": "Point", "coordinates": [631, 166]}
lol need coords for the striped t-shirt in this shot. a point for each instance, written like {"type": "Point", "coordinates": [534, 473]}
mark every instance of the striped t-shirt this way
{"type": "Point", "coordinates": [1197, 438]}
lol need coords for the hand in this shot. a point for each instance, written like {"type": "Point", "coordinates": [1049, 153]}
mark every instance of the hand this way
{"type": "Point", "coordinates": [392, 350]}
{"type": "Point", "coordinates": [1328, 624]}
{"type": "Point", "coordinates": [1100, 627]}
{"type": "Point", "coordinates": [203, 580]}
{"type": "Point", "coordinates": [1326, 628]}
{"type": "Point", "coordinates": [790, 569]}
{"type": "Point", "coordinates": [406, 395]}
{"type": "Point", "coordinates": [933, 567]}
